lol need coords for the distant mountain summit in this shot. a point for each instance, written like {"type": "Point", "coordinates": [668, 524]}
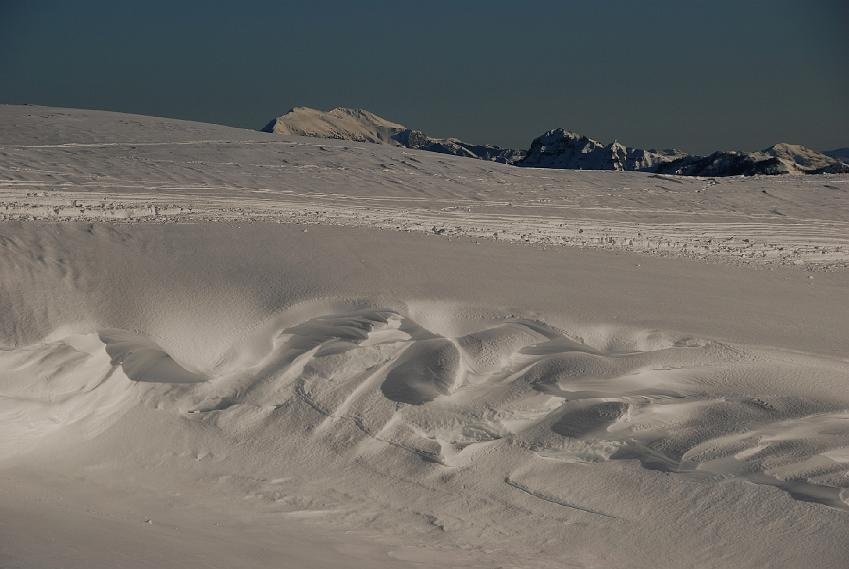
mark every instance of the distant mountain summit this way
{"type": "Point", "coordinates": [562, 149]}
{"type": "Point", "coordinates": [363, 126]}
{"type": "Point", "coordinates": [339, 123]}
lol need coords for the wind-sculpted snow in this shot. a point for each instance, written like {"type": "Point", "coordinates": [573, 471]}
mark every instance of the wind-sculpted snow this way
{"type": "Point", "coordinates": [370, 383]}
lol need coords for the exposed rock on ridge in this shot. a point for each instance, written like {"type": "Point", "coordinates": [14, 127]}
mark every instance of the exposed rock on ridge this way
{"type": "Point", "coordinates": [560, 148]}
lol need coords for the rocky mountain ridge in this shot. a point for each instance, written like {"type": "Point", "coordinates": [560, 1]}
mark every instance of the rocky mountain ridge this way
{"type": "Point", "coordinates": [563, 149]}
{"type": "Point", "coordinates": [560, 148]}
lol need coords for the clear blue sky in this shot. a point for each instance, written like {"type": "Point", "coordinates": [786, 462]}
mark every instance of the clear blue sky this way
{"type": "Point", "coordinates": [699, 75]}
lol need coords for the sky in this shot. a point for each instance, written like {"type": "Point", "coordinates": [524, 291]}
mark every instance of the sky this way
{"type": "Point", "coordinates": [692, 74]}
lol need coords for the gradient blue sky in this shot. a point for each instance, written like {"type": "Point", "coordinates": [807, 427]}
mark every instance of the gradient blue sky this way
{"type": "Point", "coordinates": [693, 74]}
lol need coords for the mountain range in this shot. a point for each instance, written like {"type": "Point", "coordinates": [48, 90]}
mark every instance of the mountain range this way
{"type": "Point", "coordinates": [562, 149]}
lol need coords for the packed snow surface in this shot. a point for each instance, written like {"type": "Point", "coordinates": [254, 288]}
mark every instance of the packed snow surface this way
{"type": "Point", "coordinates": [222, 348]}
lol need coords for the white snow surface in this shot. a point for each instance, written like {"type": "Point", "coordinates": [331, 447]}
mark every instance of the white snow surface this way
{"type": "Point", "coordinates": [221, 348]}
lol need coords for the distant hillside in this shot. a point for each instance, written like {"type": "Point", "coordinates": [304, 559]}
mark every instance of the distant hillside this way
{"type": "Point", "coordinates": [841, 154]}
